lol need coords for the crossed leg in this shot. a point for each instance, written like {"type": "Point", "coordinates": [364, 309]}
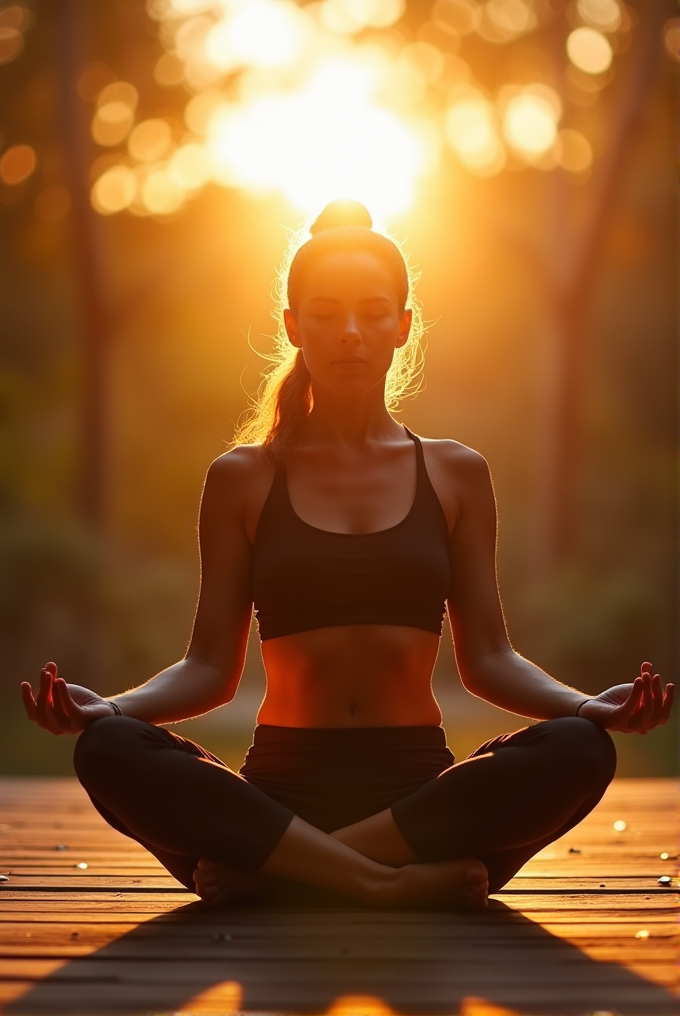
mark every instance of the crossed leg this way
{"type": "Point", "coordinates": [488, 814]}
{"type": "Point", "coordinates": [510, 798]}
{"type": "Point", "coordinates": [184, 804]}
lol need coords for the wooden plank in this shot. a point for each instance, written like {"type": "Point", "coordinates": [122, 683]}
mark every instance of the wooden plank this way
{"type": "Point", "coordinates": [82, 941]}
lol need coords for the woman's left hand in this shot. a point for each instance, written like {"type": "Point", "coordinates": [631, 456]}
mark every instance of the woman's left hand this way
{"type": "Point", "coordinates": [632, 708]}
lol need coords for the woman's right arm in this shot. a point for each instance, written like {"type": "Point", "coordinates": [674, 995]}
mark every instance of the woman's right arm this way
{"type": "Point", "coordinates": [210, 672]}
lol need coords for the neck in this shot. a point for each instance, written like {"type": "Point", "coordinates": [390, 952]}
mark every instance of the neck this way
{"type": "Point", "coordinates": [348, 422]}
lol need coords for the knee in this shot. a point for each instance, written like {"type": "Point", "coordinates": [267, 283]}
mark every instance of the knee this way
{"type": "Point", "coordinates": [584, 747]}
{"type": "Point", "coordinates": [101, 745]}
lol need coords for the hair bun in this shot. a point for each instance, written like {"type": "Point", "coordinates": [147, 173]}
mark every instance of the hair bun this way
{"type": "Point", "coordinates": [341, 213]}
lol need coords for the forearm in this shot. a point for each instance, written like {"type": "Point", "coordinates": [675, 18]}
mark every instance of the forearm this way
{"type": "Point", "coordinates": [510, 682]}
{"type": "Point", "coordinates": [190, 687]}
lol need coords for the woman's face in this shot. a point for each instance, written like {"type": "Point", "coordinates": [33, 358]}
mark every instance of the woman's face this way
{"type": "Point", "coordinates": [348, 322]}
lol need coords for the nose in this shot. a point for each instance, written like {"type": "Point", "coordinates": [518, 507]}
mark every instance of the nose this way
{"type": "Point", "coordinates": [350, 329]}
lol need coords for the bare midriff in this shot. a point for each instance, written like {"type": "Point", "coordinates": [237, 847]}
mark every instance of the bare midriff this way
{"type": "Point", "coordinates": [360, 675]}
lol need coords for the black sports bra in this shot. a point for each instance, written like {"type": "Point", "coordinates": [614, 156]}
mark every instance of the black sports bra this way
{"type": "Point", "coordinates": [305, 578]}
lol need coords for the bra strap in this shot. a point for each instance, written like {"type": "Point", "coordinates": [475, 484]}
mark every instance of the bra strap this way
{"type": "Point", "coordinates": [420, 458]}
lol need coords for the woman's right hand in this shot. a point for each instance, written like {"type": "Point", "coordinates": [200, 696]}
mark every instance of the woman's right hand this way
{"type": "Point", "coordinates": [62, 708]}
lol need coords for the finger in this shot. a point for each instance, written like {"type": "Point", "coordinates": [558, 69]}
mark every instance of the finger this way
{"type": "Point", "coordinates": [61, 705]}
{"type": "Point", "coordinates": [657, 697]}
{"type": "Point", "coordinates": [668, 696]}
{"type": "Point", "coordinates": [73, 711]}
{"type": "Point", "coordinates": [45, 702]}
{"type": "Point", "coordinates": [44, 688]}
{"type": "Point", "coordinates": [44, 695]}
{"type": "Point", "coordinates": [646, 705]}
{"type": "Point", "coordinates": [627, 710]}
{"type": "Point", "coordinates": [29, 700]}
{"type": "Point", "coordinates": [646, 667]}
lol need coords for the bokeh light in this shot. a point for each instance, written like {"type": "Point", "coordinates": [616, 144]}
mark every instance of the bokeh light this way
{"type": "Point", "coordinates": [573, 151]}
{"type": "Point", "coordinates": [160, 192]}
{"type": "Point", "coordinates": [119, 91]}
{"type": "Point", "coordinates": [589, 50]}
{"type": "Point", "coordinates": [114, 190]}
{"type": "Point", "coordinates": [11, 43]}
{"type": "Point", "coordinates": [606, 15]}
{"type": "Point", "coordinates": [17, 164]}
{"type": "Point", "coordinates": [671, 37]}
{"type": "Point", "coordinates": [472, 132]}
{"type": "Point", "coordinates": [190, 166]}
{"type": "Point", "coordinates": [14, 20]}
{"type": "Point", "coordinates": [115, 114]}
{"type": "Point", "coordinates": [348, 17]}
{"type": "Point", "coordinates": [530, 122]}
{"type": "Point", "coordinates": [150, 140]}
{"type": "Point", "coordinates": [460, 16]}
{"type": "Point", "coordinates": [93, 78]}
{"type": "Point", "coordinates": [503, 20]}
{"type": "Point", "coordinates": [298, 99]}
{"type": "Point", "coordinates": [169, 70]}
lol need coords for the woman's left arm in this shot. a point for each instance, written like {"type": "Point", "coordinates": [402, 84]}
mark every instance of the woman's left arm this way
{"type": "Point", "coordinates": [488, 665]}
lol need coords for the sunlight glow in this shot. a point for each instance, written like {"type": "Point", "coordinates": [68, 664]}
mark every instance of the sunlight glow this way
{"type": "Point", "coordinates": [325, 140]}
{"type": "Point", "coordinates": [190, 166]}
{"type": "Point", "coordinates": [262, 33]}
{"type": "Point", "coordinates": [337, 98]}
{"type": "Point", "coordinates": [589, 50]}
{"type": "Point", "coordinates": [161, 194]}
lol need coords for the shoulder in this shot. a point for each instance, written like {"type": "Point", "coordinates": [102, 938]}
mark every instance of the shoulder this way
{"type": "Point", "coordinates": [242, 462]}
{"type": "Point", "coordinates": [460, 476]}
{"type": "Point", "coordinates": [455, 461]}
{"type": "Point", "coordinates": [238, 476]}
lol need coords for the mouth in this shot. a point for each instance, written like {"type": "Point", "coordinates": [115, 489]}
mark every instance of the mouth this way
{"type": "Point", "coordinates": [350, 361]}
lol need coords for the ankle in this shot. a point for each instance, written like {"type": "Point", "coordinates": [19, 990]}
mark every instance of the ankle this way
{"type": "Point", "coordinates": [382, 886]}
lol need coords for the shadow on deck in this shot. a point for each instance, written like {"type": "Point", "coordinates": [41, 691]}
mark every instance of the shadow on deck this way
{"type": "Point", "coordinates": [584, 928]}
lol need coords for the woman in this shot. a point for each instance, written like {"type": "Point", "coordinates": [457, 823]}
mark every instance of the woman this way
{"type": "Point", "coordinates": [350, 536]}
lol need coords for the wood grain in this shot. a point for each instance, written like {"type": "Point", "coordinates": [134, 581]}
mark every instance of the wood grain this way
{"type": "Point", "coordinates": [584, 927]}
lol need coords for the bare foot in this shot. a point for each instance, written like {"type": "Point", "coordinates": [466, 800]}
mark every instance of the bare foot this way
{"type": "Point", "coordinates": [220, 884]}
{"type": "Point", "coordinates": [449, 885]}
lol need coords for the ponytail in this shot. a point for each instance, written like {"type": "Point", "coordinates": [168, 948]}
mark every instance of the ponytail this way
{"type": "Point", "coordinates": [292, 405]}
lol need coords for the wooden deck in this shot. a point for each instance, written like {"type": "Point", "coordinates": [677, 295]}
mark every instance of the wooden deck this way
{"type": "Point", "coordinates": [91, 925]}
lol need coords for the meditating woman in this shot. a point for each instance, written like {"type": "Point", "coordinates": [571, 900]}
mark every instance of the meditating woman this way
{"type": "Point", "coordinates": [350, 536]}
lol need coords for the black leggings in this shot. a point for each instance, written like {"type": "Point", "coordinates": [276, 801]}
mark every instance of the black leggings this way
{"type": "Point", "coordinates": [506, 801]}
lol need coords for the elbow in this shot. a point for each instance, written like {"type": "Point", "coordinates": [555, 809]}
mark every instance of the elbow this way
{"type": "Point", "coordinates": [477, 674]}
